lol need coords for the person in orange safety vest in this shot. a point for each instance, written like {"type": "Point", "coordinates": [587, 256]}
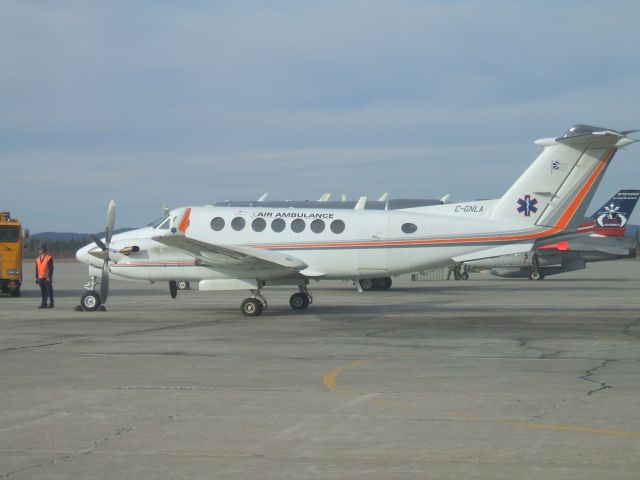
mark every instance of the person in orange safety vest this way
{"type": "Point", "coordinates": [44, 276]}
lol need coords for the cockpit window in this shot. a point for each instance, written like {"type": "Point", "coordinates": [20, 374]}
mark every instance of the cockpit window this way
{"type": "Point", "coordinates": [156, 223]}
{"type": "Point", "coordinates": [165, 225]}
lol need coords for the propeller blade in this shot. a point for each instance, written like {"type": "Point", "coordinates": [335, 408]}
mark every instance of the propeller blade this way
{"type": "Point", "coordinates": [104, 282]}
{"type": "Point", "coordinates": [111, 219]}
{"type": "Point", "coordinates": [173, 288]}
{"type": "Point", "coordinates": [99, 243]}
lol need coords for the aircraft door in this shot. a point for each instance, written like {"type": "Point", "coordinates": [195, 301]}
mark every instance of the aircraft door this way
{"type": "Point", "coordinates": [372, 257]}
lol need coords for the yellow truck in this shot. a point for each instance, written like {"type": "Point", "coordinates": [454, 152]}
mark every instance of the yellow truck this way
{"type": "Point", "coordinates": [12, 242]}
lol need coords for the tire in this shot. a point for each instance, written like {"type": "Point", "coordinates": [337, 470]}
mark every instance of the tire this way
{"type": "Point", "coordinates": [464, 276]}
{"type": "Point", "coordinates": [182, 285]}
{"type": "Point", "coordinates": [535, 276]}
{"type": "Point", "coordinates": [16, 292]}
{"type": "Point", "coordinates": [90, 301]}
{"type": "Point", "coordinates": [299, 301]}
{"type": "Point", "coordinates": [251, 307]}
{"type": "Point", "coordinates": [383, 283]}
{"type": "Point", "coordinates": [367, 284]}
{"type": "Point", "coordinates": [4, 289]}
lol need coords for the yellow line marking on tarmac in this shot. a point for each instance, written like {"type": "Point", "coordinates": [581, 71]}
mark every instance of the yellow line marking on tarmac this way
{"type": "Point", "coordinates": [330, 381]}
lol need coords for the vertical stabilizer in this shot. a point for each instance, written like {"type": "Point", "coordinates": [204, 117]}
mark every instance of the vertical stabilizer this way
{"type": "Point", "coordinates": [556, 189]}
{"type": "Point", "coordinates": [616, 211]}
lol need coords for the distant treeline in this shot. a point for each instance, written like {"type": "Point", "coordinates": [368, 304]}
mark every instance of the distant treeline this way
{"type": "Point", "coordinates": [58, 247]}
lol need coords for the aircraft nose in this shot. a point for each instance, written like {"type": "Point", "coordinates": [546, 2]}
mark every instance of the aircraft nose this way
{"type": "Point", "coordinates": [83, 254]}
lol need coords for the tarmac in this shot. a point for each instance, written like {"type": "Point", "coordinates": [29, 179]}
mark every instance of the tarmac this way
{"type": "Point", "coordinates": [484, 379]}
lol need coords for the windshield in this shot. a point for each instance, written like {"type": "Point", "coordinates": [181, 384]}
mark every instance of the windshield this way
{"type": "Point", "coordinates": [162, 223]}
{"type": "Point", "coordinates": [9, 234]}
{"type": "Point", "coordinates": [156, 223]}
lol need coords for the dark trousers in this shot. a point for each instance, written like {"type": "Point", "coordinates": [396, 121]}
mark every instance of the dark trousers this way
{"type": "Point", "coordinates": [46, 289]}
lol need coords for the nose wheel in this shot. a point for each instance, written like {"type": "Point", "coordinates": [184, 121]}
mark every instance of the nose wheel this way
{"type": "Point", "coordinates": [90, 301]}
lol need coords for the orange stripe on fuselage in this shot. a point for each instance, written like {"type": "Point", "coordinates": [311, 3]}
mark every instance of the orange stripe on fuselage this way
{"type": "Point", "coordinates": [558, 227]}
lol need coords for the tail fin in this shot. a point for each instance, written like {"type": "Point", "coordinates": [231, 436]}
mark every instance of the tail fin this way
{"type": "Point", "coordinates": [616, 211]}
{"type": "Point", "coordinates": [558, 186]}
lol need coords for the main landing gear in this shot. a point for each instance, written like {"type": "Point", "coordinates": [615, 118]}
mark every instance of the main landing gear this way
{"type": "Point", "coordinates": [534, 271]}
{"type": "Point", "coordinates": [257, 303]}
{"type": "Point", "coordinates": [369, 284]}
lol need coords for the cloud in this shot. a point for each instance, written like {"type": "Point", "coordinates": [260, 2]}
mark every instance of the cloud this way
{"type": "Point", "coordinates": [194, 101]}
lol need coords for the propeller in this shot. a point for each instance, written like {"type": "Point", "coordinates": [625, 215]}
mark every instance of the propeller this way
{"type": "Point", "coordinates": [104, 246]}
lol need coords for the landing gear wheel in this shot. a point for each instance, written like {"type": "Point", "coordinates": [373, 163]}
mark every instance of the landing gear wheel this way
{"type": "Point", "coordinates": [535, 276]}
{"type": "Point", "coordinates": [299, 301]}
{"type": "Point", "coordinates": [464, 276]}
{"type": "Point", "coordinates": [383, 283]}
{"type": "Point", "coordinates": [183, 285]}
{"type": "Point", "coordinates": [90, 301]}
{"type": "Point", "coordinates": [251, 307]}
{"type": "Point", "coordinates": [367, 284]}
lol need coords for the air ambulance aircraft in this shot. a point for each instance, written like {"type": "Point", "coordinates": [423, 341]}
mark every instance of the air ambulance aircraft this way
{"type": "Point", "coordinates": [238, 248]}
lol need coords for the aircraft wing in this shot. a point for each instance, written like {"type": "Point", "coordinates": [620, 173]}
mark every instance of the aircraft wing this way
{"type": "Point", "coordinates": [230, 255]}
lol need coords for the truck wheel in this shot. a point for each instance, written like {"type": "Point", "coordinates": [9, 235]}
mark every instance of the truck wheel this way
{"type": "Point", "coordinates": [16, 292]}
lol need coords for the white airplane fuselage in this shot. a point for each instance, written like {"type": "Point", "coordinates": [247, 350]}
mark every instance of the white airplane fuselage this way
{"type": "Point", "coordinates": [372, 244]}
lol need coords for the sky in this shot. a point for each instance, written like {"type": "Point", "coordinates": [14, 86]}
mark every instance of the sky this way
{"type": "Point", "coordinates": [158, 102]}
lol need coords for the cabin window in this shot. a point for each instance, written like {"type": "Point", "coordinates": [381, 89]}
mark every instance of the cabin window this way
{"type": "Point", "coordinates": [217, 224]}
{"type": "Point", "coordinates": [278, 225]}
{"type": "Point", "coordinates": [238, 223]}
{"type": "Point", "coordinates": [317, 226]}
{"type": "Point", "coordinates": [298, 225]}
{"type": "Point", "coordinates": [409, 228]}
{"type": "Point", "coordinates": [337, 226]}
{"type": "Point", "coordinates": [258, 224]}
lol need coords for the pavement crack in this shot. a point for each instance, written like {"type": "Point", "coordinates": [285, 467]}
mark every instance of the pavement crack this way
{"type": "Point", "coordinates": [88, 451]}
{"type": "Point", "coordinates": [589, 373]}
{"type": "Point", "coordinates": [627, 329]}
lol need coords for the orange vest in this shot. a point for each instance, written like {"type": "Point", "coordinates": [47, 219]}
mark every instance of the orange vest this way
{"type": "Point", "coordinates": [42, 265]}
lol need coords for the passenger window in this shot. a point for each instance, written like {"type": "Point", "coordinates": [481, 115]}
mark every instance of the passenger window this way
{"type": "Point", "coordinates": [258, 224]}
{"type": "Point", "coordinates": [409, 228]}
{"type": "Point", "coordinates": [217, 224]}
{"type": "Point", "coordinates": [278, 225]}
{"type": "Point", "coordinates": [238, 223]}
{"type": "Point", "coordinates": [317, 226]}
{"type": "Point", "coordinates": [298, 225]}
{"type": "Point", "coordinates": [337, 226]}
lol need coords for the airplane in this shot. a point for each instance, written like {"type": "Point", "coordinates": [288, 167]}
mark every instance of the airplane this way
{"type": "Point", "coordinates": [602, 238]}
{"type": "Point", "coordinates": [257, 246]}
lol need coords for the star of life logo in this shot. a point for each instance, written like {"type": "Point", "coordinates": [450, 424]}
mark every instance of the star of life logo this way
{"type": "Point", "coordinates": [527, 205]}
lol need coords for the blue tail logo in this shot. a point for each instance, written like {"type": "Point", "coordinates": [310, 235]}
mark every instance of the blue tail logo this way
{"type": "Point", "coordinates": [616, 211]}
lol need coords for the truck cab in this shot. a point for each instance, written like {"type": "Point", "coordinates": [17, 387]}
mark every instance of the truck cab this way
{"type": "Point", "coordinates": [11, 247]}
